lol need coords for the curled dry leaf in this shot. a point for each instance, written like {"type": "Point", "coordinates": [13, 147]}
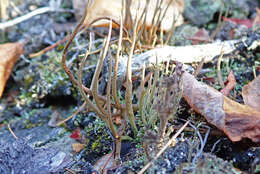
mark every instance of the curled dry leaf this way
{"type": "Point", "coordinates": [112, 9]}
{"type": "Point", "coordinates": [230, 84]}
{"type": "Point", "coordinates": [9, 53]}
{"type": "Point", "coordinates": [237, 121]}
{"type": "Point", "coordinates": [251, 93]}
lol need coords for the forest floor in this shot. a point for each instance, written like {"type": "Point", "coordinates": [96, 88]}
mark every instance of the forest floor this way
{"type": "Point", "coordinates": [39, 94]}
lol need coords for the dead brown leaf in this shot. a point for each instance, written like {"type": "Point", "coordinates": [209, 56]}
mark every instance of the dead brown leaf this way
{"type": "Point", "coordinates": [202, 36]}
{"type": "Point", "coordinates": [77, 147]}
{"type": "Point", "coordinates": [251, 93]}
{"type": "Point", "coordinates": [9, 53]}
{"type": "Point", "coordinates": [237, 121]}
{"type": "Point", "coordinates": [112, 9]}
{"type": "Point", "coordinates": [230, 84]}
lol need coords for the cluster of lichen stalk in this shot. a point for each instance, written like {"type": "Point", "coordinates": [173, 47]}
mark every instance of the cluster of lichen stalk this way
{"type": "Point", "coordinates": [109, 106]}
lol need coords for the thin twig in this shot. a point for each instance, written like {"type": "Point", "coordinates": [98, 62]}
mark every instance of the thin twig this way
{"type": "Point", "coordinates": [20, 19]}
{"type": "Point", "coordinates": [70, 171]}
{"type": "Point", "coordinates": [164, 148]}
{"type": "Point", "coordinates": [49, 47]}
{"type": "Point", "coordinates": [72, 115]}
{"type": "Point", "coordinates": [11, 131]}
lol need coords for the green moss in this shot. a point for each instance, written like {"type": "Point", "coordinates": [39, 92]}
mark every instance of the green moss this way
{"type": "Point", "coordinates": [29, 124]}
{"type": "Point", "coordinates": [96, 144]}
{"type": "Point", "coordinates": [44, 76]}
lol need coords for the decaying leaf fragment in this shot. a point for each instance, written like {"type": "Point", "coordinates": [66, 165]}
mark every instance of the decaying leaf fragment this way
{"type": "Point", "coordinates": [251, 93]}
{"type": "Point", "coordinates": [112, 9]}
{"type": "Point", "coordinates": [9, 53]}
{"type": "Point", "coordinates": [230, 84]}
{"type": "Point", "coordinates": [77, 147]}
{"type": "Point", "coordinates": [237, 121]}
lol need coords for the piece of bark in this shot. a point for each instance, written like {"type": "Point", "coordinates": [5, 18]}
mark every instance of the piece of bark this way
{"type": "Point", "coordinates": [251, 93]}
{"type": "Point", "coordinates": [237, 121]}
{"type": "Point", "coordinates": [9, 53]}
{"type": "Point", "coordinates": [230, 84]}
{"type": "Point", "coordinates": [112, 9]}
{"type": "Point", "coordinates": [183, 54]}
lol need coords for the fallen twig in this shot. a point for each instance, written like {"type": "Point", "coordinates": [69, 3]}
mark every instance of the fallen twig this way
{"type": "Point", "coordinates": [187, 54]}
{"type": "Point", "coordinates": [163, 149]}
{"type": "Point", "coordinates": [38, 11]}
{"type": "Point", "coordinates": [49, 47]}
{"type": "Point", "coordinates": [11, 131]}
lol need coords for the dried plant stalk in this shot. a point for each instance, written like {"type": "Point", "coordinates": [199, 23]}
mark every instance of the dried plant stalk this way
{"type": "Point", "coordinates": [129, 86]}
{"type": "Point", "coordinates": [87, 100]}
{"type": "Point", "coordinates": [114, 87]}
{"type": "Point", "coordinates": [95, 81]}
